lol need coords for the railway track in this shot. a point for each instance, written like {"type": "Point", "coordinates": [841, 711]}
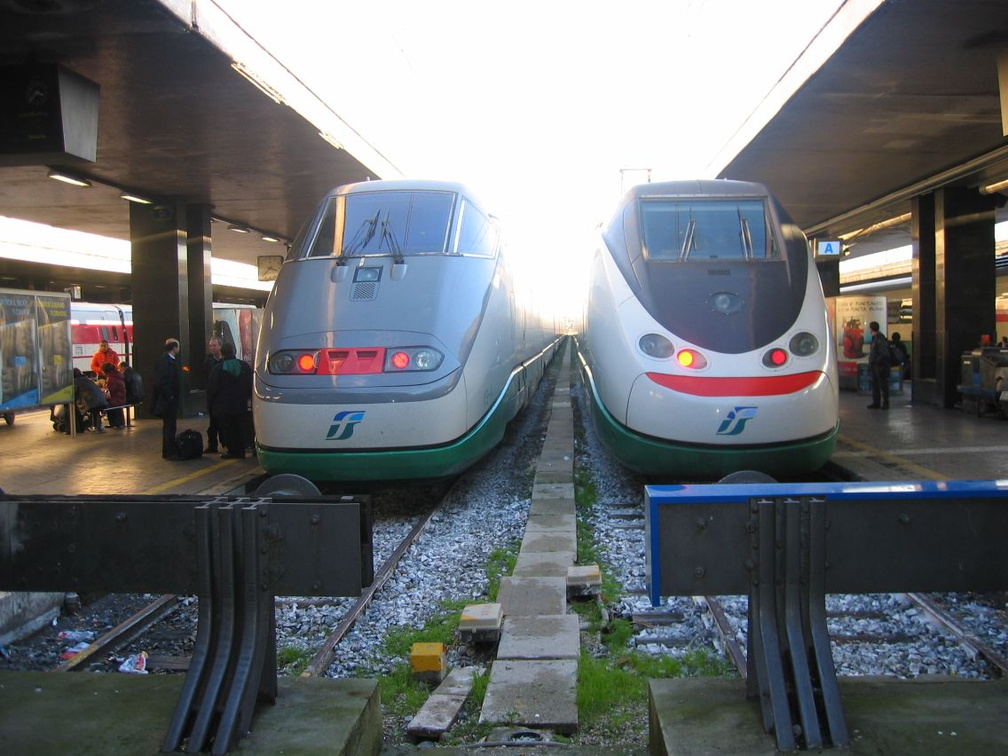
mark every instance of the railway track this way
{"type": "Point", "coordinates": [870, 628]}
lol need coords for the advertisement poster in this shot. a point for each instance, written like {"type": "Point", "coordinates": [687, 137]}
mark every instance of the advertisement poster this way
{"type": "Point", "coordinates": [34, 349]}
{"type": "Point", "coordinates": [852, 315]}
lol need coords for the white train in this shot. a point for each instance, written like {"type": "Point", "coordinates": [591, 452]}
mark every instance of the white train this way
{"type": "Point", "coordinates": [396, 344]}
{"type": "Point", "coordinates": [707, 347]}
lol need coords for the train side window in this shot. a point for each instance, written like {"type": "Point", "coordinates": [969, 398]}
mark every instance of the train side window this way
{"type": "Point", "coordinates": [478, 235]}
{"type": "Point", "coordinates": [323, 243]}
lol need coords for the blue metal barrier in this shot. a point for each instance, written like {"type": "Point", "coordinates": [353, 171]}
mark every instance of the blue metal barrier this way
{"type": "Point", "coordinates": [786, 545]}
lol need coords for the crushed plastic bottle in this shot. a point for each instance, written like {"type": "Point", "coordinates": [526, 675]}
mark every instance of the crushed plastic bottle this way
{"type": "Point", "coordinates": [135, 664]}
{"type": "Point", "coordinates": [75, 649]}
{"type": "Point", "coordinates": [77, 635]}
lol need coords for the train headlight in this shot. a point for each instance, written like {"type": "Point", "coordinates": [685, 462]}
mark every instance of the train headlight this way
{"type": "Point", "coordinates": [690, 358]}
{"type": "Point", "coordinates": [413, 359]}
{"type": "Point", "coordinates": [292, 363]}
{"type": "Point", "coordinates": [655, 345]}
{"type": "Point", "coordinates": [725, 302]}
{"type": "Point", "coordinates": [775, 358]}
{"type": "Point", "coordinates": [803, 344]}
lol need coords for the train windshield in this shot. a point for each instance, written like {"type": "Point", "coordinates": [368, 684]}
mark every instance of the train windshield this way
{"type": "Point", "coordinates": [397, 223]}
{"type": "Point", "coordinates": [704, 229]}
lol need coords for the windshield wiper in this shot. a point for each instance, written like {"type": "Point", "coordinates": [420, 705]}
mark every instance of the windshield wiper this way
{"type": "Point", "coordinates": [364, 235]}
{"type": "Point", "coordinates": [388, 234]}
{"type": "Point", "coordinates": [746, 235]}
{"type": "Point", "coordinates": [689, 239]}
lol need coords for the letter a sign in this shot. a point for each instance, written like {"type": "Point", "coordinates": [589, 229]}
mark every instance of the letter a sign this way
{"type": "Point", "coordinates": [829, 248]}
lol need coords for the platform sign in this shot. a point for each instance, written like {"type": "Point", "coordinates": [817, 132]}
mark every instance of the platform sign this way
{"type": "Point", "coordinates": [828, 248]}
{"type": "Point", "coordinates": [35, 362]}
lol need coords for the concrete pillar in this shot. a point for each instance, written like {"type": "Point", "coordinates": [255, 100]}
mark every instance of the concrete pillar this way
{"type": "Point", "coordinates": [964, 281]}
{"type": "Point", "coordinates": [200, 288]}
{"type": "Point", "coordinates": [922, 233]}
{"type": "Point", "coordinates": [158, 238]}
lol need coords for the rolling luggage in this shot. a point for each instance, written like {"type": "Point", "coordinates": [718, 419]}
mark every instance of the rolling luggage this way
{"type": "Point", "coordinates": [190, 444]}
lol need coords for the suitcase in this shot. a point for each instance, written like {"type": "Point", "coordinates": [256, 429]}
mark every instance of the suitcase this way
{"type": "Point", "coordinates": [190, 444]}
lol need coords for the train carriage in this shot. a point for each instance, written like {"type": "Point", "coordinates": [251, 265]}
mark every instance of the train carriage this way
{"type": "Point", "coordinates": [395, 344]}
{"type": "Point", "coordinates": [706, 348]}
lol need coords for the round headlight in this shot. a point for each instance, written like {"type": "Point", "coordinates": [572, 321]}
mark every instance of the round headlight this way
{"type": "Point", "coordinates": [425, 360]}
{"type": "Point", "coordinates": [655, 345]}
{"type": "Point", "coordinates": [725, 302]}
{"type": "Point", "coordinates": [282, 363]}
{"type": "Point", "coordinates": [803, 344]}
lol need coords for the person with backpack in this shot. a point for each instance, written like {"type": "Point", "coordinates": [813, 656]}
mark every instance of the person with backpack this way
{"type": "Point", "coordinates": [900, 355]}
{"type": "Point", "coordinates": [879, 362]}
{"type": "Point", "coordinates": [229, 391]}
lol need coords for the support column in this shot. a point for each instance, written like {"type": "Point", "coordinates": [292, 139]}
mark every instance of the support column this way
{"type": "Point", "coordinates": [964, 281]}
{"type": "Point", "coordinates": [160, 288]}
{"type": "Point", "coordinates": [922, 231]}
{"type": "Point", "coordinates": [200, 289]}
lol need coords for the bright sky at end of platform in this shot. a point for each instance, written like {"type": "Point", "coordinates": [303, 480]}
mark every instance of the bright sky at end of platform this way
{"type": "Point", "coordinates": [539, 106]}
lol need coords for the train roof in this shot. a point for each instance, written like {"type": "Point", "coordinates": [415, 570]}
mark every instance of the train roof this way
{"type": "Point", "coordinates": [401, 185]}
{"type": "Point", "coordinates": [697, 188]}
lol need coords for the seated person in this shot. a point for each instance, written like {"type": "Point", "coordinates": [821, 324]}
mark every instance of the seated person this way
{"type": "Point", "coordinates": [116, 388]}
{"type": "Point", "coordinates": [90, 399]}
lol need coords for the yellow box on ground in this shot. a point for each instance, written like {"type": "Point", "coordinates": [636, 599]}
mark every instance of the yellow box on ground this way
{"type": "Point", "coordinates": [428, 657]}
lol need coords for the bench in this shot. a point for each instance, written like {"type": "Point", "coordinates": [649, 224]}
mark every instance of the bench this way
{"type": "Point", "coordinates": [236, 553]}
{"type": "Point", "coordinates": [786, 545]}
{"type": "Point", "coordinates": [105, 410]}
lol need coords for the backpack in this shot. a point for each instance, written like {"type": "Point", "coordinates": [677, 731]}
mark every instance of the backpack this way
{"type": "Point", "coordinates": [190, 444]}
{"type": "Point", "coordinates": [895, 355]}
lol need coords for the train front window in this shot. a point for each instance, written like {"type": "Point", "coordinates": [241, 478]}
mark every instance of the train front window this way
{"type": "Point", "coordinates": [695, 229]}
{"type": "Point", "coordinates": [396, 223]}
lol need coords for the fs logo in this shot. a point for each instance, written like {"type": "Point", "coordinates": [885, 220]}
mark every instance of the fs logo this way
{"type": "Point", "coordinates": [734, 422]}
{"type": "Point", "coordinates": [343, 425]}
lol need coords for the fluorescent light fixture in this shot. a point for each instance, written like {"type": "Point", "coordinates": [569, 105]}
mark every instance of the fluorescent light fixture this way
{"type": "Point", "coordinates": [331, 139]}
{"type": "Point", "coordinates": [997, 186]}
{"type": "Point", "coordinates": [259, 82]}
{"type": "Point", "coordinates": [884, 285]}
{"type": "Point", "coordinates": [271, 239]}
{"type": "Point", "coordinates": [135, 199]}
{"type": "Point", "coordinates": [905, 218]}
{"type": "Point", "coordinates": [238, 229]}
{"type": "Point", "coordinates": [67, 179]}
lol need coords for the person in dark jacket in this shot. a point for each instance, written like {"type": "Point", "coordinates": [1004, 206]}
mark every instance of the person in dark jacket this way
{"type": "Point", "coordinates": [229, 392]}
{"type": "Point", "coordinates": [116, 389]}
{"type": "Point", "coordinates": [134, 383]}
{"type": "Point", "coordinates": [214, 358]}
{"type": "Point", "coordinates": [90, 399]}
{"type": "Point", "coordinates": [879, 361]}
{"type": "Point", "coordinates": [167, 387]}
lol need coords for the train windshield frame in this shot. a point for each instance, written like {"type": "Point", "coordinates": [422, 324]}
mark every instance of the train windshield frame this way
{"type": "Point", "coordinates": [399, 223]}
{"type": "Point", "coordinates": [678, 229]}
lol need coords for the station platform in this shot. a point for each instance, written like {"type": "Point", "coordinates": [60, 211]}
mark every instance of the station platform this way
{"type": "Point", "coordinates": [35, 459]}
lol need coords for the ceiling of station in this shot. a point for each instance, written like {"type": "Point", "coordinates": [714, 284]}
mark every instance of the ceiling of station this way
{"type": "Point", "coordinates": [175, 120]}
{"type": "Point", "coordinates": [908, 103]}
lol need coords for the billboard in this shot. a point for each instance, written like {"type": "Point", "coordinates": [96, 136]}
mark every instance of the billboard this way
{"type": "Point", "coordinates": [36, 368]}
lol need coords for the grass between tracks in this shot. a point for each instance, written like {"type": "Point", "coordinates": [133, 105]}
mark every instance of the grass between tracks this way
{"type": "Point", "coordinates": [612, 695]}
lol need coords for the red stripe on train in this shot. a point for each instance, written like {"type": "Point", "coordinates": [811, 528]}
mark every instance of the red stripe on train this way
{"type": "Point", "coordinates": [771, 385]}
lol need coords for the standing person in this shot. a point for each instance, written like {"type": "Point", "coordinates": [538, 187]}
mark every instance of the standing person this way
{"type": "Point", "coordinates": [116, 387]}
{"type": "Point", "coordinates": [166, 398]}
{"type": "Point", "coordinates": [899, 347]}
{"type": "Point", "coordinates": [228, 394]}
{"type": "Point", "coordinates": [879, 363]}
{"type": "Point", "coordinates": [213, 359]}
{"type": "Point", "coordinates": [104, 355]}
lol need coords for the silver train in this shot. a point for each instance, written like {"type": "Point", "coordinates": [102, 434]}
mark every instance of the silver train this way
{"type": "Point", "coordinates": [707, 347]}
{"type": "Point", "coordinates": [397, 343]}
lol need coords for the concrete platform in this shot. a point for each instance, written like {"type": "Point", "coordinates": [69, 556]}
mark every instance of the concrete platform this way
{"type": "Point", "coordinates": [884, 716]}
{"type": "Point", "coordinates": [542, 637]}
{"type": "Point", "coordinates": [529, 596]}
{"type": "Point", "coordinates": [112, 714]}
{"type": "Point", "coordinates": [539, 694]}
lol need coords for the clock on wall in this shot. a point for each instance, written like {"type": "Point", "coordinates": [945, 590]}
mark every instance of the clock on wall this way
{"type": "Point", "coordinates": [269, 266]}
